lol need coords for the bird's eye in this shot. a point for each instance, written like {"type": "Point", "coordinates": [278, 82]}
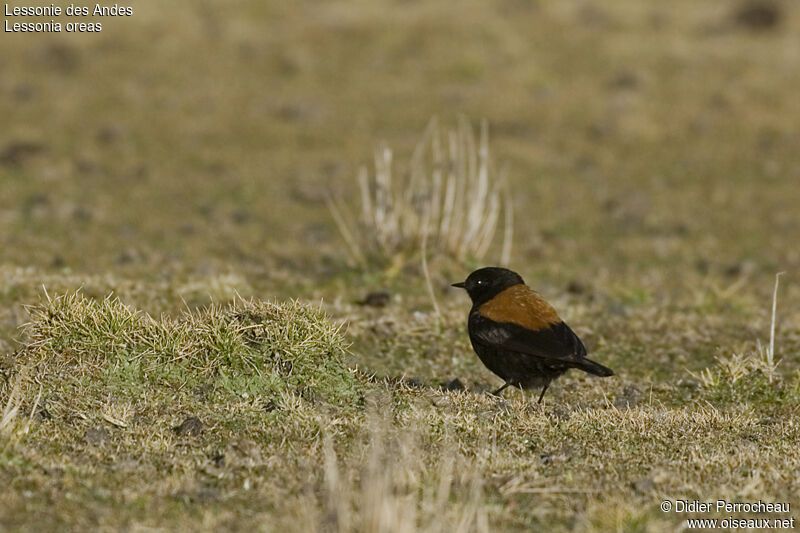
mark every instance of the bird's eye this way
{"type": "Point", "coordinates": [480, 282]}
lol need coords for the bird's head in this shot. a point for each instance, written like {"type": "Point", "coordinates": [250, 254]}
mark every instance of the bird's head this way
{"type": "Point", "coordinates": [486, 283]}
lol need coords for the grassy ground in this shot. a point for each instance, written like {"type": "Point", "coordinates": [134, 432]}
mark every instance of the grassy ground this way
{"type": "Point", "coordinates": [181, 158]}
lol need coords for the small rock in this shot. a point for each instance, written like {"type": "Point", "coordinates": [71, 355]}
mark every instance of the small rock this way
{"type": "Point", "coordinates": [680, 229]}
{"type": "Point", "coordinates": [415, 383]}
{"type": "Point", "coordinates": [733, 270]}
{"type": "Point", "coordinates": [191, 426]}
{"type": "Point", "coordinates": [625, 80]}
{"type": "Point", "coordinates": [61, 57]}
{"type": "Point", "coordinates": [758, 15]}
{"type": "Point", "coordinates": [453, 384]}
{"type": "Point", "coordinates": [18, 152]}
{"type": "Point", "coordinates": [576, 287]}
{"type": "Point", "coordinates": [739, 269]}
{"type": "Point", "coordinates": [376, 299]}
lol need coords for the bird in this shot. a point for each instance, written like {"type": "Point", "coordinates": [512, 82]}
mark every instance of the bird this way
{"type": "Point", "coordinates": [518, 335]}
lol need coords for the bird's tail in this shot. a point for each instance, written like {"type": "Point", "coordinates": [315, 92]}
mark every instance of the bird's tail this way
{"type": "Point", "coordinates": [595, 368]}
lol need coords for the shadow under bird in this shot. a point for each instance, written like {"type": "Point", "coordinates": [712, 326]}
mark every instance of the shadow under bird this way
{"type": "Point", "coordinates": [518, 335]}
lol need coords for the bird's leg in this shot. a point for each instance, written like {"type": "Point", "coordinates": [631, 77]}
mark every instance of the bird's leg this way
{"type": "Point", "coordinates": [498, 391]}
{"type": "Point", "coordinates": [543, 391]}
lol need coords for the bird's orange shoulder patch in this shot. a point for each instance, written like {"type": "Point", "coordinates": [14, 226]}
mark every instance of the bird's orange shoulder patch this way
{"type": "Point", "coordinates": [521, 305]}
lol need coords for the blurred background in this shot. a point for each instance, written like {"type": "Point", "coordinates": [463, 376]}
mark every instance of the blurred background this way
{"type": "Point", "coordinates": [646, 144]}
{"type": "Point", "coordinates": [185, 155]}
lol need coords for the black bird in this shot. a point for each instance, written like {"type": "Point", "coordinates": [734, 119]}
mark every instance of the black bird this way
{"type": "Point", "coordinates": [518, 335]}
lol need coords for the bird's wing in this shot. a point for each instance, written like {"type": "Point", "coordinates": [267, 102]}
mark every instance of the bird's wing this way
{"type": "Point", "coordinates": [519, 320]}
{"type": "Point", "coordinates": [555, 341]}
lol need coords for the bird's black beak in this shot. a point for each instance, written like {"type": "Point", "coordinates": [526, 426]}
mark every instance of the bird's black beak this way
{"type": "Point", "coordinates": [460, 285]}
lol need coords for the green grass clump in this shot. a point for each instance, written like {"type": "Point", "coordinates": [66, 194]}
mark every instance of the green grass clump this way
{"type": "Point", "coordinates": [247, 346]}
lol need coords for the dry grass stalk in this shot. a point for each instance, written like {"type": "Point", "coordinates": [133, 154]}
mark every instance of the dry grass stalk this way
{"type": "Point", "coordinates": [450, 199]}
{"type": "Point", "coordinates": [770, 353]}
{"type": "Point", "coordinates": [427, 274]}
{"type": "Point", "coordinates": [397, 491]}
{"type": "Point", "coordinates": [11, 428]}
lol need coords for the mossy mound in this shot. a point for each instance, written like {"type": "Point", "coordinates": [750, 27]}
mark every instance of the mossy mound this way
{"type": "Point", "coordinates": [248, 346]}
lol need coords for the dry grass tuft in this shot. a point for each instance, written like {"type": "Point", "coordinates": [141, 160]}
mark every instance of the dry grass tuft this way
{"type": "Point", "coordinates": [244, 345]}
{"type": "Point", "coordinates": [739, 364]}
{"type": "Point", "coordinates": [450, 200]}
